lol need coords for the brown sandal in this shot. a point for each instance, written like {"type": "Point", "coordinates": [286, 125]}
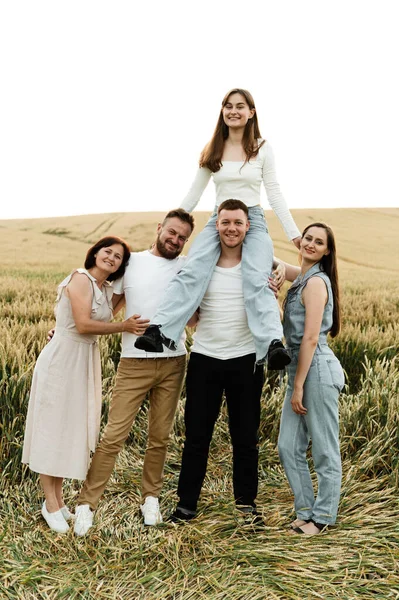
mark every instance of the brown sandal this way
{"type": "Point", "coordinates": [305, 521]}
{"type": "Point", "coordinates": [320, 527]}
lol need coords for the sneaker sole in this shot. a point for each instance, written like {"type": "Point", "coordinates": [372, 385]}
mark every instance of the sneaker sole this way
{"type": "Point", "coordinates": [147, 346]}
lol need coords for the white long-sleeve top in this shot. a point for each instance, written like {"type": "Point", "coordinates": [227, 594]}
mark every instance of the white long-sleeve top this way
{"type": "Point", "coordinates": [242, 182]}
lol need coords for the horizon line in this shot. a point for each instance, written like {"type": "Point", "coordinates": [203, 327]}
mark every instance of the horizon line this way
{"type": "Point", "coordinates": [124, 212]}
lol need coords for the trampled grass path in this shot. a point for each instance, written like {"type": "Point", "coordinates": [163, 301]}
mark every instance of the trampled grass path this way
{"type": "Point", "coordinates": [217, 556]}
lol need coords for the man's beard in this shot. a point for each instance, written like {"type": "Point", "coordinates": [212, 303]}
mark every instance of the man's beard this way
{"type": "Point", "coordinates": [163, 251]}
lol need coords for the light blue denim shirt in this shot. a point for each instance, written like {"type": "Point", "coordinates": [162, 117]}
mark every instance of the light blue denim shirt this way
{"type": "Point", "coordinates": [294, 311]}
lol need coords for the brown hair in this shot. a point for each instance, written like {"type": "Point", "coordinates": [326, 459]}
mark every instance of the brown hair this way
{"type": "Point", "coordinates": [233, 205]}
{"type": "Point", "coordinates": [105, 242]}
{"type": "Point", "coordinates": [211, 156]}
{"type": "Point", "coordinates": [329, 266]}
{"type": "Point", "coordinates": [181, 214]}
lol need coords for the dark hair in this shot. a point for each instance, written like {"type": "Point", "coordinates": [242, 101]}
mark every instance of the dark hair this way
{"type": "Point", "coordinates": [105, 242]}
{"type": "Point", "coordinates": [329, 266]}
{"type": "Point", "coordinates": [211, 156]}
{"type": "Point", "coordinates": [233, 205]}
{"type": "Point", "coordinates": [181, 214]}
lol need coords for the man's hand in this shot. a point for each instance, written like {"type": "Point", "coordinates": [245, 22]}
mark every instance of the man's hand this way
{"type": "Point", "coordinates": [279, 275]}
{"type": "Point", "coordinates": [273, 286]}
{"type": "Point", "coordinates": [277, 279]}
{"type": "Point", "coordinates": [50, 334]}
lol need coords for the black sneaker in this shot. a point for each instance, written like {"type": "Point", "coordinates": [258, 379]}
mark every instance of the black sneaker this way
{"type": "Point", "coordinates": [151, 341]}
{"type": "Point", "coordinates": [182, 514]}
{"type": "Point", "coordinates": [277, 356]}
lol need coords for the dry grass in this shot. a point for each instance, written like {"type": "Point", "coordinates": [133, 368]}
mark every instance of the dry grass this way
{"type": "Point", "coordinates": [217, 556]}
{"type": "Point", "coordinates": [367, 238]}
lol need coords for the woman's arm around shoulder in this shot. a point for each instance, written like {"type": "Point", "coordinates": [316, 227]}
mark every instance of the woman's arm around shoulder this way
{"type": "Point", "coordinates": [192, 322]}
{"type": "Point", "coordinates": [80, 293]}
{"type": "Point", "coordinates": [118, 302]}
{"type": "Point", "coordinates": [291, 271]}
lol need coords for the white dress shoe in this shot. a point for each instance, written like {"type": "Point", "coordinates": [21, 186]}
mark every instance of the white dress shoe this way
{"type": "Point", "coordinates": [66, 513]}
{"type": "Point", "coordinates": [83, 519]}
{"type": "Point", "coordinates": [150, 511]}
{"type": "Point", "coordinates": [55, 520]}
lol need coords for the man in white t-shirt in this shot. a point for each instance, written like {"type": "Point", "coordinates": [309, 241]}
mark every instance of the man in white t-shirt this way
{"type": "Point", "coordinates": [222, 360]}
{"type": "Point", "coordinates": [161, 375]}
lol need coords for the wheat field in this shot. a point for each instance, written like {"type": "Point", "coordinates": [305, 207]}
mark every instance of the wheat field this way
{"type": "Point", "coordinates": [217, 556]}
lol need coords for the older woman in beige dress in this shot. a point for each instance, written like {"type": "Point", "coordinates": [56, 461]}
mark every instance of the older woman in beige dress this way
{"type": "Point", "coordinates": [63, 420]}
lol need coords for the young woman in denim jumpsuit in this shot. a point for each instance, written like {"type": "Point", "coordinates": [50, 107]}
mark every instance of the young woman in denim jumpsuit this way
{"type": "Point", "coordinates": [315, 379]}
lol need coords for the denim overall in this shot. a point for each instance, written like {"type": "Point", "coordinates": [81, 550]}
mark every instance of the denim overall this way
{"type": "Point", "coordinates": [323, 384]}
{"type": "Point", "coordinates": [184, 293]}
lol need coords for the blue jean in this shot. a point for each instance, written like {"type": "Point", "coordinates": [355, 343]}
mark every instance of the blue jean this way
{"type": "Point", "coordinates": [184, 293]}
{"type": "Point", "coordinates": [323, 383]}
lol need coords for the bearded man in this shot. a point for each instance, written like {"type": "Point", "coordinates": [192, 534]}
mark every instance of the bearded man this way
{"type": "Point", "coordinates": [161, 375]}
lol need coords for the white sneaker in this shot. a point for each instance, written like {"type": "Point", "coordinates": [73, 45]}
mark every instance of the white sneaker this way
{"type": "Point", "coordinates": [55, 520]}
{"type": "Point", "coordinates": [150, 511]}
{"type": "Point", "coordinates": [66, 513]}
{"type": "Point", "coordinates": [83, 520]}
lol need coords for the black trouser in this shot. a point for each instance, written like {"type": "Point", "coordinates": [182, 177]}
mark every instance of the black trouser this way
{"type": "Point", "coordinates": [207, 379]}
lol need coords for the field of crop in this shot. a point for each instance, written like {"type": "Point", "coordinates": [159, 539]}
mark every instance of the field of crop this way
{"type": "Point", "coordinates": [216, 556]}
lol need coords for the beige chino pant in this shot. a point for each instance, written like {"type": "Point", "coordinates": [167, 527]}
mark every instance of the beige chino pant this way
{"type": "Point", "coordinates": [163, 379]}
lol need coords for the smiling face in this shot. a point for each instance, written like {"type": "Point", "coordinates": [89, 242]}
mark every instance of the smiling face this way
{"type": "Point", "coordinates": [236, 111]}
{"type": "Point", "coordinates": [232, 226]}
{"type": "Point", "coordinates": [172, 236]}
{"type": "Point", "coordinates": [109, 258]}
{"type": "Point", "coordinates": [314, 244]}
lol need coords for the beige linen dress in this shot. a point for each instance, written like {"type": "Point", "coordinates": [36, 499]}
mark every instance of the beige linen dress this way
{"type": "Point", "coordinates": [63, 420]}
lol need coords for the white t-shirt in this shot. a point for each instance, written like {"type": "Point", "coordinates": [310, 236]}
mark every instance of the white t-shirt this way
{"type": "Point", "coordinates": [144, 283]}
{"type": "Point", "coordinates": [242, 182]}
{"type": "Point", "coordinates": [222, 331]}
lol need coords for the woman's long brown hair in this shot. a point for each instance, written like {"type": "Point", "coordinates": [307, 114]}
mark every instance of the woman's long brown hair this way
{"type": "Point", "coordinates": [329, 264]}
{"type": "Point", "coordinates": [211, 156]}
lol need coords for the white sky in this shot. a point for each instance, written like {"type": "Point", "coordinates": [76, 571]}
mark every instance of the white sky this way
{"type": "Point", "coordinates": [105, 106]}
